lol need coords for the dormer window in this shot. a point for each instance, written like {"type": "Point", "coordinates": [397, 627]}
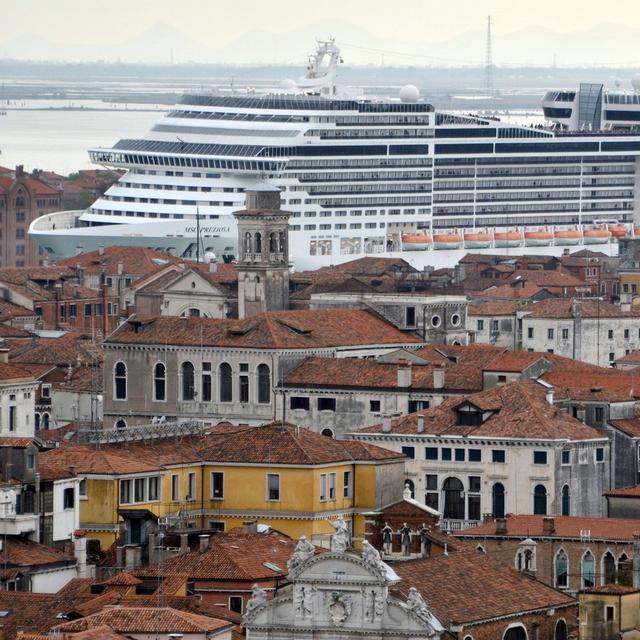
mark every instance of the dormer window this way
{"type": "Point", "coordinates": [469, 415]}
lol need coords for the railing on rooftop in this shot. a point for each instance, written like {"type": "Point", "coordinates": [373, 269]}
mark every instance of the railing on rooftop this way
{"type": "Point", "coordinates": [157, 429]}
{"type": "Point", "coordinates": [451, 526]}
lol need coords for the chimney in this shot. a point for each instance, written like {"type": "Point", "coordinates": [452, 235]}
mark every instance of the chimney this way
{"type": "Point", "coordinates": [204, 542]}
{"type": "Point", "coordinates": [548, 526]}
{"type": "Point", "coordinates": [213, 266]}
{"type": "Point", "coordinates": [120, 268]}
{"type": "Point", "coordinates": [45, 262]}
{"type": "Point", "coordinates": [4, 355]}
{"type": "Point", "coordinates": [79, 250]}
{"type": "Point", "coordinates": [404, 374]}
{"type": "Point", "coordinates": [250, 526]}
{"type": "Point", "coordinates": [438, 376]}
{"type": "Point", "coordinates": [386, 424]}
{"type": "Point", "coordinates": [184, 543]}
{"type": "Point", "coordinates": [501, 526]}
{"type": "Point", "coordinates": [549, 396]}
{"type": "Point", "coordinates": [636, 561]}
{"type": "Point", "coordinates": [420, 425]}
{"type": "Point", "coordinates": [101, 250]}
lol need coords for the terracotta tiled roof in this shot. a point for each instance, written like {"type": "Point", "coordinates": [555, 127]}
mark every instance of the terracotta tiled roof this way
{"type": "Point", "coordinates": [548, 278]}
{"type": "Point", "coordinates": [127, 620]}
{"type": "Point", "coordinates": [272, 330]}
{"type": "Point", "coordinates": [630, 426]}
{"type": "Point", "coordinates": [563, 308]}
{"type": "Point", "coordinates": [508, 292]}
{"type": "Point", "coordinates": [15, 442]}
{"type": "Point", "coordinates": [589, 384]}
{"type": "Point", "coordinates": [518, 410]}
{"type": "Point", "coordinates": [10, 310]}
{"type": "Point", "coordinates": [233, 556]}
{"type": "Point", "coordinates": [446, 582]}
{"type": "Point", "coordinates": [494, 308]}
{"type": "Point", "coordinates": [523, 526]}
{"type": "Point", "coordinates": [611, 589]}
{"type": "Point", "coordinates": [625, 492]}
{"type": "Point", "coordinates": [9, 332]}
{"type": "Point", "coordinates": [10, 371]}
{"type": "Point", "coordinates": [630, 358]}
{"type": "Point", "coordinates": [137, 261]}
{"type": "Point", "coordinates": [276, 443]}
{"type": "Point", "coordinates": [20, 552]}
{"type": "Point", "coordinates": [63, 351]}
{"type": "Point", "coordinates": [514, 361]}
{"type": "Point", "coordinates": [124, 578]}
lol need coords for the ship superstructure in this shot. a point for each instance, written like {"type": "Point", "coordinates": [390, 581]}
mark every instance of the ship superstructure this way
{"type": "Point", "coordinates": [361, 176]}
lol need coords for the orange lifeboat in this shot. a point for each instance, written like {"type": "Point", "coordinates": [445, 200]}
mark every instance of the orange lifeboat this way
{"type": "Point", "coordinates": [447, 241]}
{"type": "Point", "coordinates": [618, 230]}
{"type": "Point", "coordinates": [596, 236]}
{"type": "Point", "coordinates": [477, 240]}
{"type": "Point", "coordinates": [508, 238]}
{"type": "Point", "coordinates": [416, 241]}
{"type": "Point", "coordinates": [568, 236]}
{"type": "Point", "coordinates": [540, 238]}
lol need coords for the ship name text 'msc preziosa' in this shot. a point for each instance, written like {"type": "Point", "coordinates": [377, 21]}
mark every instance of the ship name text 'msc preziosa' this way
{"type": "Point", "coordinates": [378, 177]}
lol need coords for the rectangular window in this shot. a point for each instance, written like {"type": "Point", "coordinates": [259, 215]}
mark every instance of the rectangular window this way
{"type": "Point", "coordinates": [410, 452]}
{"type": "Point", "coordinates": [609, 612]}
{"type": "Point", "coordinates": [495, 326]}
{"type": "Point", "coordinates": [498, 456]}
{"type": "Point", "coordinates": [529, 332]}
{"type": "Point", "coordinates": [565, 334]}
{"type": "Point", "coordinates": [480, 326]}
{"type": "Point", "coordinates": [612, 357]}
{"type": "Point", "coordinates": [87, 309]}
{"type": "Point", "coordinates": [459, 455]}
{"type": "Point", "coordinates": [244, 382]}
{"type": "Point", "coordinates": [445, 453]}
{"type": "Point", "coordinates": [323, 487]}
{"type": "Point", "coordinates": [68, 497]}
{"type": "Point", "coordinates": [235, 604]}
{"type": "Point", "coordinates": [610, 334]}
{"type": "Point", "coordinates": [431, 487]}
{"type": "Point", "coordinates": [332, 486]}
{"type": "Point", "coordinates": [73, 310]}
{"type": "Point", "coordinates": [12, 418]}
{"type": "Point", "coordinates": [299, 402]}
{"type": "Point", "coordinates": [175, 488]}
{"type": "Point", "coordinates": [626, 334]}
{"type": "Point", "coordinates": [566, 456]}
{"type": "Point", "coordinates": [125, 491]}
{"type": "Point", "coordinates": [98, 308]}
{"type": "Point", "coordinates": [217, 485]}
{"type": "Point", "coordinates": [273, 486]}
{"type": "Point", "coordinates": [326, 404]}
{"type": "Point", "coordinates": [539, 457]}
{"type": "Point", "coordinates": [410, 317]}
{"type": "Point", "coordinates": [600, 454]}
{"type": "Point", "coordinates": [191, 494]}
{"type": "Point", "coordinates": [82, 488]}
{"type": "Point", "coordinates": [475, 455]}
{"type": "Point", "coordinates": [374, 406]}
{"type": "Point", "coordinates": [154, 488]}
{"type": "Point", "coordinates": [346, 484]}
{"type": "Point", "coordinates": [599, 414]}
{"type": "Point", "coordinates": [549, 334]}
{"type": "Point", "coordinates": [138, 489]}
{"type": "Point", "coordinates": [431, 453]}
{"type": "Point", "coordinates": [206, 382]}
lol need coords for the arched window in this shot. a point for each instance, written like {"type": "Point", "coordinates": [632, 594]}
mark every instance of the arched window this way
{"type": "Point", "coordinates": [37, 421]}
{"type": "Point", "coordinates": [540, 500]}
{"type": "Point", "coordinates": [188, 381]}
{"type": "Point", "coordinates": [257, 242]}
{"type": "Point", "coordinates": [497, 500]}
{"type": "Point", "coordinates": [515, 633]}
{"type": "Point", "coordinates": [624, 570]}
{"type": "Point", "coordinates": [566, 500]}
{"type": "Point", "coordinates": [562, 569]}
{"type": "Point", "coordinates": [193, 312]}
{"type": "Point", "coordinates": [247, 242]}
{"type": "Point", "coordinates": [453, 499]}
{"type": "Point", "coordinates": [45, 420]}
{"type": "Point", "coordinates": [327, 432]}
{"type": "Point", "coordinates": [159, 382]}
{"type": "Point", "coordinates": [588, 570]}
{"type": "Point", "coordinates": [120, 381]}
{"type": "Point", "coordinates": [264, 384]}
{"type": "Point", "coordinates": [609, 568]}
{"type": "Point", "coordinates": [283, 242]}
{"type": "Point", "coordinates": [226, 383]}
{"type": "Point", "coordinates": [120, 424]}
{"type": "Point", "coordinates": [562, 633]}
{"type": "Point", "coordinates": [273, 243]}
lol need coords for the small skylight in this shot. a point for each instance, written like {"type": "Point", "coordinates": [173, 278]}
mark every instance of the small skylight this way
{"type": "Point", "coordinates": [273, 567]}
{"type": "Point", "coordinates": [4, 613]}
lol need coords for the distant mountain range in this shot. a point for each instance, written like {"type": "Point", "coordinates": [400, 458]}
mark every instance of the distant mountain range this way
{"type": "Point", "coordinates": [613, 44]}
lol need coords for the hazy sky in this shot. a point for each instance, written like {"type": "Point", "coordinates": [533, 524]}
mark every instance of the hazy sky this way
{"type": "Point", "coordinates": [215, 23]}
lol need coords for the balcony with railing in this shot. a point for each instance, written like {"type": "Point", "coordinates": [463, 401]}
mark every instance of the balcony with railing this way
{"type": "Point", "coordinates": [17, 515]}
{"type": "Point", "coordinates": [452, 525]}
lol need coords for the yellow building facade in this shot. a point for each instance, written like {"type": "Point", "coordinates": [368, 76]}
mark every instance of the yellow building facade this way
{"type": "Point", "coordinates": [610, 612]}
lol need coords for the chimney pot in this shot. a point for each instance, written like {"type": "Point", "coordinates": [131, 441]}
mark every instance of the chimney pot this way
{"type": "Point", "coordinates": [501, 526]}
{"type": "Point", "coordinates": [4, 355]}
{"type": "Point", "coordinates": [204, 542]}
{"type": "Point", "coordinates": [438, 377]}
{"type": "Point", "coordinates": [386, 424]}
{"type": "Point", "coordinates": [404, 373]}
{"type": "Point", "coordinates": [548, 526]}
{"type": "Point", "coordinates": [420, 425]}
{"type": "Point", "coordinates": [101, 250]}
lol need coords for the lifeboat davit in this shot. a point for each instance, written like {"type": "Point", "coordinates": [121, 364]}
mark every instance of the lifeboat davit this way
{"type": "Point", "coordinates": [447, 241]}
{"type": "Point", "coordinates": [477, 240]}
{"type": "Point", "coordinates": [568, 236]}
{"type": "Point", "coordinates": [416, 241]}
{"type": "Point", "coordinates": [596, 236]}
{"type": "Point", "coordinates": [618, 230]}
{"type": "Point", "coordinates": [541, 238]}
{"type": "Point", "coordinates": [508, 238]}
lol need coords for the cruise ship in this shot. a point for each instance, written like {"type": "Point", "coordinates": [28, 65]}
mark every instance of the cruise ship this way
{"type": "Point", "coordinates": [362, 176]}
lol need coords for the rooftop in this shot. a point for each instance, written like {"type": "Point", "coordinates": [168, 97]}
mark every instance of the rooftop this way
{"type": "Point", "coordinates": [271, 330]}
{"type": "Point", "coordinates": [530, 526]}
{"type": "Point", "coordinates": [469, 586]}
{"type": "Point", "coordinates": [137, 261]}
{"type": "Point", "coordinates": [516, 410]}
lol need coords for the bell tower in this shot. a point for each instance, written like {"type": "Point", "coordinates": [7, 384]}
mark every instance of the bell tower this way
{"type": "Point", "coordinates": [263, 253]}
